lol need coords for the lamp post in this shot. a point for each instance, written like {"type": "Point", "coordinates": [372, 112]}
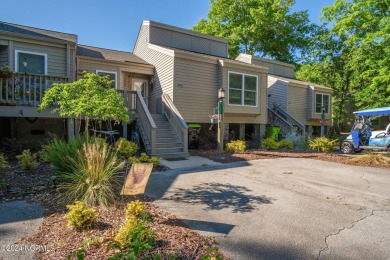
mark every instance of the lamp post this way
{"type": "Point", "coordinates": [221, 96]}
{"type": "Point", "coordinates": [322, 120]}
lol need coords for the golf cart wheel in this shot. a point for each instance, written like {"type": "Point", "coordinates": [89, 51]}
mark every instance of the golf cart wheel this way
{"type": "Point", "coordinates": [347, 147]}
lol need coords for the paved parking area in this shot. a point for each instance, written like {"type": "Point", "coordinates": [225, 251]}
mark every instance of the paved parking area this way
{"type": "Point", "coordinates": [283, 208]}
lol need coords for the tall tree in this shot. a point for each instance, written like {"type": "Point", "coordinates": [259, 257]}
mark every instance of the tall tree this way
{"type": "Point", "coordinates": [267, 28]}
{"type": "Point", "coordinates": [353, 55]}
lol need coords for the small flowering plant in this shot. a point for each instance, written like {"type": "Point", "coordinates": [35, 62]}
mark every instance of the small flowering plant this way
{"type": "Point", "coordinates": [215, 116]}
{"type": "Point", "coordinates": [212, 250]}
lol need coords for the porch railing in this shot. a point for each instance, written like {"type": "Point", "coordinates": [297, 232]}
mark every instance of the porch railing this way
{"type": "Point", "coordinates": [274, 118]}
{"type": "Point", "coordinates": [176, 120]}
{"type": "Point", "coordinates": [291, 120]}
{"type": "Point", "coordinates": [26, 89]}
{"type": "Point", "coordinates": [130, 100]}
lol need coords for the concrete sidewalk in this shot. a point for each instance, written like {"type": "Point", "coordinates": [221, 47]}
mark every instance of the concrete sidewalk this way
{"type": "Point", "coordinates": [18, 219]}
{"type": "Point", "coordinates": [189, 162]}
{"type": "Point", "coordinates": [283, 208]}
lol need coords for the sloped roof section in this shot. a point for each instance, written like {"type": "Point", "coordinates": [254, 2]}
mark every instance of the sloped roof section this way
{"type": "Point", "coordinates": [207, 56]}
{"type": "Point", "coordinates": [36, 32]}
{"type": "Point", "coordinates": [109, 55]}
{"type": "Point", "coordinates": [300, 82]}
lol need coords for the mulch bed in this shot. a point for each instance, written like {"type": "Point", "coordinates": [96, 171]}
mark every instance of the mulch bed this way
{"type": "Point", "coordinates": [282, 153]}
{"type": "Point", "coordinates": [172, 237]}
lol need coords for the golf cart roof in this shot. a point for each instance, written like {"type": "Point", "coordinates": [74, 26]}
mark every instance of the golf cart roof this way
{"type": "Point", "coordinates": [374, 112]}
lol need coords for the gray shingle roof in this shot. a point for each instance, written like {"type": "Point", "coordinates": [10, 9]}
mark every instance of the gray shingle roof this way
{"type": "Point", "coordinates": [106, 54]}
{"type": "Point", "coordinates": [36, 32]}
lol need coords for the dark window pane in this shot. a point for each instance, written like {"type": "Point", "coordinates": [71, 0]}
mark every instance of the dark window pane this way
{"type": "Point", "coordinates": [110, 75]}
{"type": "Point", "coordinates": [326, 103]}
{"type": "Point", "coordinates": [250, 98]}
{"type": "Point", "coordinates": [235, 97]}
{"type": "Point", "coordinates": [318, 103]}
{"type": "Point", "coordinates": [35, 63]}
{"type": "Point", "coordinates": [250, 83]}
{"type": "Point", "coordinates": [235, 81]}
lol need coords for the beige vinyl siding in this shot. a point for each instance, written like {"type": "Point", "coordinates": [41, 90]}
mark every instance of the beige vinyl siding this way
{"type": "Point", "coordinates": [297, 102]}
{"type": "Point", "coordinates": [163, 63]}
{"type": "Point", "coordinates": [258, 113]}
{"type": "Point", "coordinates": [56, 56]}
{"type": "Point", "coordinates": [3, 55]}
{"type": "Point", "coordinates": [276, 69]}
{"type": "Point", "coordinates": [196, 88]}
{"type": "Point", "coordinates": [93, 66]}
{"type": "Point", "coordinates": [186, 41]}
{"type": "Point", "coordinates": [277, 91]}
{"type": "Point", "coordinates": [72, 68]}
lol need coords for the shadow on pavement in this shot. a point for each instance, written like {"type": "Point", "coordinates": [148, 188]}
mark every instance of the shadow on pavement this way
{"type": "Point", "coordinates": [219, 196]}
{"type": "Point", "coordinates": [207, 226]}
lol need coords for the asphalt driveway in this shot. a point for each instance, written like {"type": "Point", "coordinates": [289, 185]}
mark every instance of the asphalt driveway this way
{"type": "Point", "coordinates": [283, 208]}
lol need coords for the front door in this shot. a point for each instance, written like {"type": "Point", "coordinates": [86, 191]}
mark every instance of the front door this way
{"type": "Point", "coordinates": [142, 85]}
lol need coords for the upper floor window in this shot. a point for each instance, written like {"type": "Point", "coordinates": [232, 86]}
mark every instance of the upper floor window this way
{"type": "Point", "coordinates": [111, 74]}
{"type": "Point", "coordinates": [242, 89]}
{"type": "Point", "coordinates": [322, 101]}
{"type": "Point", "coordinates": [30, 62]}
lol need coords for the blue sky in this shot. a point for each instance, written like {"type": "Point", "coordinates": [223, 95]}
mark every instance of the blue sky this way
{"type": "Point", "coordinates": [114, 24]}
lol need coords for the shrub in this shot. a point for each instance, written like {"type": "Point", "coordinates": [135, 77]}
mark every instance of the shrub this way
{"type": "Point", "coordinates": [135, 208]}
{"type": "Point", "coordinates": [27, 160]}
{"type": "Point", "coordinates": [92, 176]}
{"type": "Point", "coordinates": [144, 158]}
{"type": "Point", "coordinates": [80, 215]}
{"type": "Point", "coordinates": [125, 148]}
{"type": "Point", "coordinates": [127, 228]}
{"type": "Point", "coordinates": [322, 144]}
{"type": "Point", "coordinates": [59, 152]}
{"type": "Point", "coordinates": [269, 143]}
{"type": "Point", "coordinates": [3, 162]}
{"type": "Point", "coordinates": [285, 144]}
{"type": "Point", "coordinates": [236, 146]}
{"type": "Point", "coordinates": [299, 141]}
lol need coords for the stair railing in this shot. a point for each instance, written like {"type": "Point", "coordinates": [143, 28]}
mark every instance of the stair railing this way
{"type": "Point", "coordinates": [291, 120]}
{"type": "Point", "coordinates": [285, 127]}
{"type": "Point", "coordinates": [146, 123]}
{"type": "Point", "coordinates": [176, 120]}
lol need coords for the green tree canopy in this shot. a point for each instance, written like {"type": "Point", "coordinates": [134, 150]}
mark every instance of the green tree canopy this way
{"type": "Point", "coordinates": [90, 97]}
{"type": "Point", "coordinates": [351, 54]}
{"type": "Point", "coordinates": [267, 28]}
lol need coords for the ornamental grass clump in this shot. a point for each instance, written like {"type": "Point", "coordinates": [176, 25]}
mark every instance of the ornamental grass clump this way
{"type": "Point", "coordinates": [93, 176]}
{"type": "Point", "coordinates": [236, 146]}
{"type": "Point", "coordinates": [322, 144]}
{"type": "Point", "coordinates": [27, 160]}
{"type": "Point", "coordinates": [80, 215]}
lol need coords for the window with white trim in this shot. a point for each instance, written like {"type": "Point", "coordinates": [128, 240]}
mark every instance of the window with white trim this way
{"type": "Point", "coordinates": [111, 74]}
{"type": "Point", "coordinates": [30, 62]}
{"type": "Point", "coordinates": [243, 89]}
{"type": "Point", "coordinates": [322, 100]}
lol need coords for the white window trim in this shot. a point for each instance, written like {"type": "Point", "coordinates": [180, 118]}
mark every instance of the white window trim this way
{"type": "Point", "coordinates": [322, 102]}
{"type": "Point", "coordinates": [111, 72]}
{"type": "Point", "coordinates": [243, 89]}
{"type": "Point", "coordinates": [28, 52]}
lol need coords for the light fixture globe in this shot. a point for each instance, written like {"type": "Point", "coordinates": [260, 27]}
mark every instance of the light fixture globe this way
{"type": "Point", "coordinates": [221, 93]}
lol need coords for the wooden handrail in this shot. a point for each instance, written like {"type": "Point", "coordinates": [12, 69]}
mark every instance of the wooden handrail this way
{"type": "Point", "coordinates": [147, 123]}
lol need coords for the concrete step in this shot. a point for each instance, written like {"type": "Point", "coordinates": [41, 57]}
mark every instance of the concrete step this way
{"type": "Point", "coordinates": [171, 155]}
{"type": "Point", "coordinates": [169, 150]}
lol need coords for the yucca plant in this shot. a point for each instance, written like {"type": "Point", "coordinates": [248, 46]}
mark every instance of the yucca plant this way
{"type": "Point", "coordinates": [93, 176]}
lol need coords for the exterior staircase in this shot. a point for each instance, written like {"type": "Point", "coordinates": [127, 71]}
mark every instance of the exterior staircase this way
{"type": "Point", "coordinates": [285, 121]}
{"type": "Point", "coordinates": [168, 144]}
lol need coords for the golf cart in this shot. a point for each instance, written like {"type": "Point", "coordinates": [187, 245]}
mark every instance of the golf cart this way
{"type": "Point", "coordinates": [363, 137]}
